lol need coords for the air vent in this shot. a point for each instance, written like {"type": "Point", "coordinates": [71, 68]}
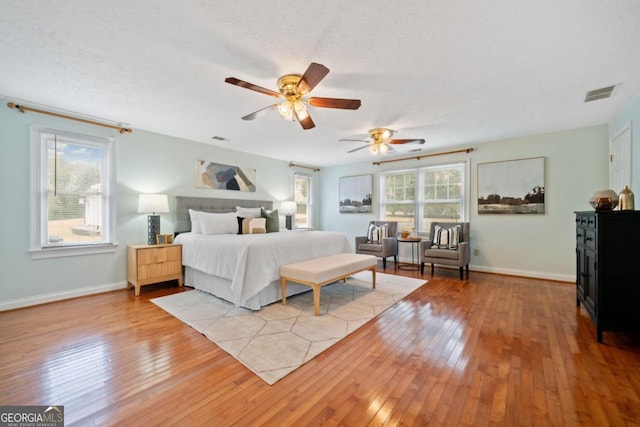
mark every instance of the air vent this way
{"type": "Point", "coordinates": [219, 138]}
{"type": "Point", "coordinates": [601, 93]}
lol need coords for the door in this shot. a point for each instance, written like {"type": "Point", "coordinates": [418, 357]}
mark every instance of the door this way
{"type": "Point", "coordinates": [620, 159]}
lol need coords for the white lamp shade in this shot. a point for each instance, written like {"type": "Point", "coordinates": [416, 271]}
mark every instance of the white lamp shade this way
{"type": "Point", "coordinates": [153, 203]}
{"type": "Point", "coordinates": [288, 208]}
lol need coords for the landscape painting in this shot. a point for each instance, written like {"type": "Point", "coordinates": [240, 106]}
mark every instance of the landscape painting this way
{"type": "Point", "coordinates": [355, 194]}
{"type": "Point", "coordinates": [224, 177]}
{"type": "Point", "coordinates": [511, 187]}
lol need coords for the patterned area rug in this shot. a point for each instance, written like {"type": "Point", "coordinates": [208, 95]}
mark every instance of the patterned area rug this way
{"type": "Point", "coordinates": [277, 339]}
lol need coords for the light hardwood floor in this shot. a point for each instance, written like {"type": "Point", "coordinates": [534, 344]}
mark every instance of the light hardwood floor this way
{"type": "Point", "coordinates": [490, 350]}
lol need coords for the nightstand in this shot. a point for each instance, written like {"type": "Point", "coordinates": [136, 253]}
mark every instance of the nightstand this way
{"type": "Point", "coordinates": [147, 264]}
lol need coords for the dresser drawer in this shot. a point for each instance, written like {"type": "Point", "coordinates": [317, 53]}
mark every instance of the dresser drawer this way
{"type": "Point", "coordinates": [149, 271]}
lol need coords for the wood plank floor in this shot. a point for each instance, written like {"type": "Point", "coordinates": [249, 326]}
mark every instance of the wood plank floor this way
{"type": "Point", "coordinates": [491, 350]}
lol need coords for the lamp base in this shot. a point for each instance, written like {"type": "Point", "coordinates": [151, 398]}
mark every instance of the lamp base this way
{"type": "Point", "coordinates": [153, 228]}
{"type": "Point", "coordinates": [287, 222]}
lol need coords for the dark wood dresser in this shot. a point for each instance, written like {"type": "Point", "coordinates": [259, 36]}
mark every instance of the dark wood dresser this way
{"type": "Point", "coordinates": [607, 282]}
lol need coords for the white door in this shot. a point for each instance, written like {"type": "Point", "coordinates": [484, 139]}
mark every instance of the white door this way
{"type": "Point", "coordinates": [620, 159]}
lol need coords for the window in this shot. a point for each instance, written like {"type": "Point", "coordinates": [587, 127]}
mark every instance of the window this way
{"type": "Point", "coordinates": [303, 196]}
{"type": "Point", "coordinates": [72, 186]}
{"type": "Point", "coordinates": [416, 197]}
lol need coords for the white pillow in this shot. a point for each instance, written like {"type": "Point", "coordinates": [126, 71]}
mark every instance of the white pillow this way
{"type": "Point", "coordinates": [196, 228]}
{"type": "Point", "coordinates": [218, 223]}
{"type": "Point", "coordinates": [247, 212]}
{"type": "Point", "coordinates": [446, 238]}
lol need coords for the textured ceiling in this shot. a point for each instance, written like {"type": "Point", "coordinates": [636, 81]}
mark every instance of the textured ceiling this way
{"type": "Point", "coordinates": [455, 73]}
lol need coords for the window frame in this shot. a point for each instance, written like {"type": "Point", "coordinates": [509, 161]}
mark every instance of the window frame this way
{"type": "Point", "coordinates": [38, 191]}
{"type": "Point", "coordinates": [419, 200]}
{"type": "Point", "coordinates": [310, 207]}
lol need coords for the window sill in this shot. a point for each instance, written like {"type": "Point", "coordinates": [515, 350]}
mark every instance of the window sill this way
{"type": "Point", "coordinates": [64, 251]}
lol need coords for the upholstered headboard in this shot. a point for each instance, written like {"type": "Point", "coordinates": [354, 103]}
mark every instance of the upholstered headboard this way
{"type": "Point", "coordinates": [207, 204]}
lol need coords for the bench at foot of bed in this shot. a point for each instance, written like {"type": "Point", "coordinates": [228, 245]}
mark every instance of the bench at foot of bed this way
{"type": "Point", "coordinates": [318, 272]}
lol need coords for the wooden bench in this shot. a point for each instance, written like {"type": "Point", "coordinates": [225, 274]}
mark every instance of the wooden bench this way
{"type": "Point", "coordinates": [318, 272]}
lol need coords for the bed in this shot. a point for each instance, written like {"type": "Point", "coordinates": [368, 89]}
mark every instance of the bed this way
{"type": "Point", "coordinates": [244, 268]}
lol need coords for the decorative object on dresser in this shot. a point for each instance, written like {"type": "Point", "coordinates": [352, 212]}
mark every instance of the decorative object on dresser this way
{"type": "Point", "coordinates": [153, 204]}
{"type": "Point", "coordinates": [147, 264]}
{"type": "Point", "coordinates": [626, 199]}
{"type": "Point", "coordinates": [604, 200]}
{"type": "Point", "coordinates": [288, 209]}
{"type": "Point", "coordinates": [606, 282]}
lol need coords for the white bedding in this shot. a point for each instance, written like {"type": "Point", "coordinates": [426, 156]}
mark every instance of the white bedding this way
{"type": "Point", "coordinates": [250, 262]}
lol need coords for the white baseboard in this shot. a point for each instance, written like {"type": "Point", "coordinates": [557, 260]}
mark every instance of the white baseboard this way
{"type": "Point", "coordinates": [525, 273]}
{"type": "Point", "coordinates": [510, 272]}
{"type": "Point", "coordinates": [58, 296]}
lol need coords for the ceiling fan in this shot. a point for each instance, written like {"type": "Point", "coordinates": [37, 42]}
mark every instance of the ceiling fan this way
{"type": "Point", "coordinates": [294, 89]}
{"type": "Point", "coordinates": [381, 141]}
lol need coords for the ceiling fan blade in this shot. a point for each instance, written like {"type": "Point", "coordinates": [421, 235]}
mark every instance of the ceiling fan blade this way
{"type": "Point", "coordinates": [359, 148]}
{"type": "Point", "coordinates": [359, 140]}
{"type": "Point", "coordinates": [260, 112]}
{"type": "Point", "coordinates": [406, 141]}
{"type": "Point", "coordinates": [346, 104]}
{"type": "Point", "coordinates": [247, 85]}
{"type": "Point", "coordinates": [314, 74]}
{"type": "Point", "coordinates": [306, 122]}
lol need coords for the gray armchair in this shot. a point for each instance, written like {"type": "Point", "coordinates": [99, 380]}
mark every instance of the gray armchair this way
{"type": "Point", "coordinates": [458, 257]}
{"type": "Point", "coordinates": [388, 247]}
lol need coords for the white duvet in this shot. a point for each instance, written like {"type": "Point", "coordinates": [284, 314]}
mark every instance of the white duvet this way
{"type": "Point", "coordinates": [252, 261]}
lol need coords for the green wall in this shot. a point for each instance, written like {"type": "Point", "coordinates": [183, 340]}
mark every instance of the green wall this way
{"type": "Point", "coordinates": [146, 163]}
{"type": "Point", "coordinates": [530, 245]}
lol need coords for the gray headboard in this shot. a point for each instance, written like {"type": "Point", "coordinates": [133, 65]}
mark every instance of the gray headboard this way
{"type": "Point", "coordinates": [207, 204]}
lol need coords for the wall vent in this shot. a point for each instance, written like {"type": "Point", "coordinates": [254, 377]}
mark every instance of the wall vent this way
{"type": "Point", "coordinates": [601, 93]}
{"type": "Point", "coordinates": [219, 138]}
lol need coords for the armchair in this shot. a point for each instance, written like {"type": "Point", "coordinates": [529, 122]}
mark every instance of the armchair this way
{"type": "Point", "coordinates": [459, 256]}
{"type": "Point", "coordinates": [386, 248]}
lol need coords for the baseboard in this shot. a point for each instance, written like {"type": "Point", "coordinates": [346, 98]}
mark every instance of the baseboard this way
{"type": "Point", "coordinates": [58, 296]}
{"type": "Point", "coordinates": [524, 273]}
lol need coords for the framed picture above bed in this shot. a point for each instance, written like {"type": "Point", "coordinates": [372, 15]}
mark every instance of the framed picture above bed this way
{"type": "Point", "coordinates": [224, 177]}
{"type": "Point", "coordinates": [356, 194]}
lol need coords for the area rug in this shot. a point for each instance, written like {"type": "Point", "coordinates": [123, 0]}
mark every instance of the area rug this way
{"type": "Point", "coordinates": [276, 340]}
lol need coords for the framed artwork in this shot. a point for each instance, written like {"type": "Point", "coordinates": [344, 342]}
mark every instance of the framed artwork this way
{"type": "Point", "coordinates": [224, 177]}
{"type": "Point", "coordinates": [355, 194]}
{"type": "Point", "coordinates": [511, 187]}
{"type": "Point", "coordinates": [164, 239]}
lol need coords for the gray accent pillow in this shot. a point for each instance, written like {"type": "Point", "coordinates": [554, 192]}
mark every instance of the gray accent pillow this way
{"type": "Point", "coordinates": [273, 220]}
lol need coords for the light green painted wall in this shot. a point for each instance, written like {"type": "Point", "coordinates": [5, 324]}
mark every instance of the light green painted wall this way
{"type": "Point", "coordinates": [531, 245]}
{"type": "Point", "coordinates": [542, 246]}
{"type": "Point", "coordinates": [630, 114]}
{"type": "Point", "coordinates": [146, 162]}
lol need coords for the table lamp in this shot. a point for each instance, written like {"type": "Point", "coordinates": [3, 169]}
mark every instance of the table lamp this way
{"type": "Point", "coordinates": [153, 203]}
{"type": "Point", "coordinates": [288, 209]}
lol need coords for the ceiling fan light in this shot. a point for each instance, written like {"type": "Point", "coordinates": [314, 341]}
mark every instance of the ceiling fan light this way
{"type": "Point", "coordinates": [301, 110]}
{"type": "Point", "coordinates": [286, 110]}
{"type": "Point", "coordinates": [384, 148]}
{"type": "Point", "coordinates": [386, 134]}
{"type": "Point", "coordinates": [373, 148]}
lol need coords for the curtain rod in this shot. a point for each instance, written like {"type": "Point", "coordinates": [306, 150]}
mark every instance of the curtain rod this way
{"type": "Point", "coordinates": [464, 150]}
{"type": "Point", "coordinates": [23, 108]}
{"type": "Point", "coordinates": [292, 165]}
